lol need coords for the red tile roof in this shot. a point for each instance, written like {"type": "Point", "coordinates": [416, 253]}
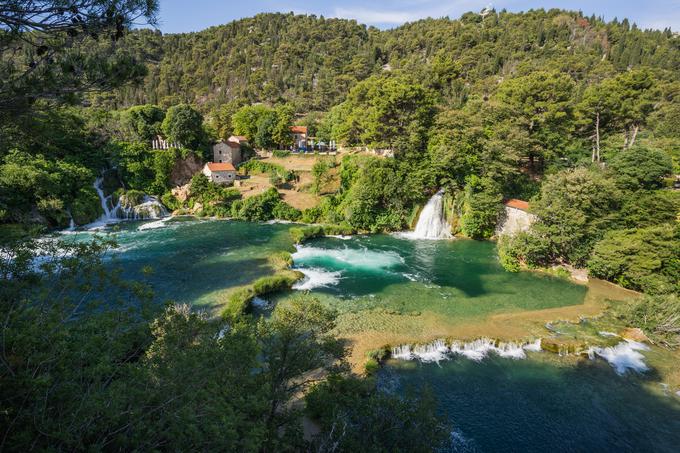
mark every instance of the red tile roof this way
{"type": "Point", "coordinates": [231, 144]}
{"type": "Point", "coordinates": [225, 166]}
{"type": "Point", "coordinates": [517, 204]}
{"type": "Point", "coordinates": [298, 129]}
{"type": "Point", "coordinates": [239, 138]}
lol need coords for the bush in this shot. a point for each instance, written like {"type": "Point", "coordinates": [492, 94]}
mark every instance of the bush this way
{"type": "Point", "coordinates": [260, 207]}
{"type": "Point", "coordinates": [481, 208]}
{"type": "Point", "coordinates": [131, 198]}
{"type": "Point", "coordinates": [301, 234]}
{"type": "Point", "coordinates": [171, 202]}
{"type": "Point", "coordinates": [284, 211]}
{"type": "Point", "coordinates": [657, 316]}
{"type": "Point", "coordinates": [86, 207]}
{"type": "Point", "coordinates": [281, 153]}
{"type": "Point", "coordinates": [641, 259]}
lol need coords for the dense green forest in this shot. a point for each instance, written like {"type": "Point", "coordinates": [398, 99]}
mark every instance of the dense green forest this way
{"type": "Point", "coordinates": [579, 116]}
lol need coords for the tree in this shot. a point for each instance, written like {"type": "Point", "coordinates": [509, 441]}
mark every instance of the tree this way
{"type": "Point", "coordinates": [575, 208]}
{"type": "Point", "coordinates": [354, 416]}
{"type": "Point", "coordinates": [245, 120]}
{"type": "Point", "coordinates": [58, 49]}
{"type": "Point", "coordinates": [542, 105]}
{"type": "Point", "coordinates": [184, 125]}
{"type": "Point", "coordinates": [599, 111]}
{"type": "Point", "coordinates": [646, 259]}
{"type": "Point", "coordinates": [641, 168]}
{"type": "Point", "coordinates": [389, 112]}
{"type": "Point", "coordinates": [281, 134]}
{"type": "Point", "coordinates": [266, 126]}
{"type": "Point", "coordinates": [638, 96]}
{"type": "Point", "coordinates": [481, 207]}
{"type": "Point", "coordinates": [143, 122]}
{"type": "Point", "coordinates": [295, 341]}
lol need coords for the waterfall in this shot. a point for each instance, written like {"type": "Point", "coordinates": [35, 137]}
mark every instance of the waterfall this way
{"type": "Point", "coordinates": [475, 350]}
{"type": "Point", "coordinates": [110, 212]}
{"type": "Point", "coordinates": [432, 223]}
{"type": "Point", "coordinates": [150, 208]}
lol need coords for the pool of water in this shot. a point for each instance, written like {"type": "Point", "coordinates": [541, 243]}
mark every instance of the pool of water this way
{"type": "Point", "coordinates": [193, 261]}
{"type": "Point", "coordinates": [410, 288]}
{"type": "Point", "coordinates": [544, 404]}
{"type": "Point", "coordinates": [453, 278]}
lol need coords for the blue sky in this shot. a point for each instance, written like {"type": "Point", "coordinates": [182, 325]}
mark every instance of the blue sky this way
{"type": "Point", "coordinates": [194, 15]}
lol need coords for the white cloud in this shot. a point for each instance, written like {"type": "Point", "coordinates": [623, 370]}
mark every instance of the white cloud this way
{"type": "Point", "coordinates": [408, 11]}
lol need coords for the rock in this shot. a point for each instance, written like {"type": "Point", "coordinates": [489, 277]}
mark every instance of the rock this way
{"type": "Point", "coordinates": [562, 347]}
{"type": "Point", "coordinates": [182, 192]}
{"type": "Point", "coordinates": [184, 169]}
{"type": "Point", "coordinates": [635, 334]}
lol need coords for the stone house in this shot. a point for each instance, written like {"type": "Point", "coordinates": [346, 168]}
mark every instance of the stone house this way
{"type": "Point", "coordinates": [299, 136]}
{"type": "Point", "coordinates": [516, 218]}
{"type": "Point", "coordinates": [229, 151]}
{"type": "Point", "coordinates": [220, 172]}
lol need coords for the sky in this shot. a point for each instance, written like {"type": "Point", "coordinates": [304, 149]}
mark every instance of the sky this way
{"type": "Point", "coordinates": [194, 15]}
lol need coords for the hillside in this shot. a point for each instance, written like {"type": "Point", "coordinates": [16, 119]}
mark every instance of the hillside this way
{"type": "Point", "coordinates": [313, 62]}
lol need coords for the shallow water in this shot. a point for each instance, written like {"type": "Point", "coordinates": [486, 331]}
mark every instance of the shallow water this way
{"type": "Point", "coordinates": [496, 404]}
{"type": "Point", "coordinates": [544, 404]}
{"type": "Point", "coordinates": [453, 278]}
{"type": "Point", "coordinates": [192, 261]}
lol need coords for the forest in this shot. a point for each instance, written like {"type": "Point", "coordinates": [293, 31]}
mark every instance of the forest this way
{"type": "Point", "coordinates": [578, 116]}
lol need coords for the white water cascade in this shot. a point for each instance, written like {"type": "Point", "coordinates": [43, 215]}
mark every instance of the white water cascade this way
{"type": "Point", "coordinates": [432, 223]}
{"type": "Point", "coordinates": [150, 208]}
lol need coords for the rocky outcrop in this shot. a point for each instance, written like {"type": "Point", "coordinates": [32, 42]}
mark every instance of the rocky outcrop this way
{"type": "Point", "coordinates": [182, 193]}
{"type": "Point", "coordinates": [184, 169]}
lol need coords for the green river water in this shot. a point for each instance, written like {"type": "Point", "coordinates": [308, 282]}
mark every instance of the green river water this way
{"type": "Point", "coordinates": [495, 404]}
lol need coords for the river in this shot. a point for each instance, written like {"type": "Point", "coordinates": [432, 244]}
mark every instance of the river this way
{"type": "Point", "coordinates": [391, 289]}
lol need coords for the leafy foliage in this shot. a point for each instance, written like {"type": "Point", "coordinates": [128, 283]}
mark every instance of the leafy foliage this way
{"type": "Point", "coordinates": [643, 259]}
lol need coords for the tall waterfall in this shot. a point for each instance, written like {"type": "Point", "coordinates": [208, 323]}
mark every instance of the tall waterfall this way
{"type": "Point", "coordinates": [432, 223]}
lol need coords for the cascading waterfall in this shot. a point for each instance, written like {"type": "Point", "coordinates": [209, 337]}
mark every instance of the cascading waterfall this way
{"type": "Point", "coordinates": [109, 211]}
{"type": "Point", "coordinates": [474, 350]}
{"type": "Point", "coordinates": [150, 208]}
{"type": "Point", "coordinates": [432, 223]}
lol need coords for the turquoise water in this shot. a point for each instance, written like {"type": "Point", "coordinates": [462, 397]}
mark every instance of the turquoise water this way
{"type": "Point", "coordinates": [456, 278]}
{"type": "Point", "coordinates": [195, 262]}
{"type": "Point", "coordinates": [495, 405]}
{"type": "Point", "coordinates": [537, 406]}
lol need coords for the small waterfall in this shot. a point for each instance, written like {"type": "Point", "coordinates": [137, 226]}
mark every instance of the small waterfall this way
{"type": "Point", "coordinates": [432, 223]}
{"type": "Point", "coordinates": [150, 208]}
{"type": "Point", "coordinates": [109, 210]}
{"type": "Point", "coordinates": [475, 350]}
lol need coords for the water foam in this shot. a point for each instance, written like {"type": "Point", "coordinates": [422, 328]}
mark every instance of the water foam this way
{"type": "Point", "coordinates": [623, 357]}
{"type": "Point", "coordinates": [432, 222]}
{"type": "Point", "coordinates": [348, 257]}
{"type": "Point", "coordinates": [475, 350]}
{"type": "Point", "coordinates": [317, 278]}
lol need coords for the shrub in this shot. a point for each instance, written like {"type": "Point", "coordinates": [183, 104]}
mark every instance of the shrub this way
{"type": "Point", "coordinates": [260, 207]}
{"type": "Point", "coordinates": [284, 211]}
{"type": "Point", "coordinates": [281, 153]}
{"type": "Point", "coordinates": [642, 259]}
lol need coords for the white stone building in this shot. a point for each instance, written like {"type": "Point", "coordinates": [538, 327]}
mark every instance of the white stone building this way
{"type": "Point", "coordinates": [220, 172]}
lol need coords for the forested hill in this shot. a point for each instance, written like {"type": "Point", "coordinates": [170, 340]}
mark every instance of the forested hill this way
{"type": "Point", "coordinates": [312, 61]}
